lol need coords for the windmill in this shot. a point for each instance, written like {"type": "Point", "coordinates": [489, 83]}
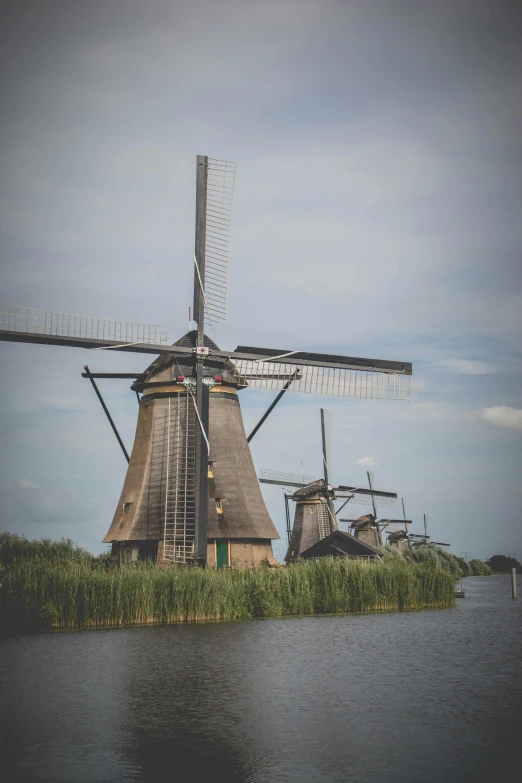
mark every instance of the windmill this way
{"type": "Point", "coordinates": [400, 538]}
{"type": "Point", "coordinates": [369, 527]}
{"type": "Point", "coordinates": [191, 493]}
{"type": "Point", "coordinates": [315, 514]}
{"type": "Point", "coordinates": [419, 539]}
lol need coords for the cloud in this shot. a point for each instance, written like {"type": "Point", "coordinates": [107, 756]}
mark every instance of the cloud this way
{"type": "Point", "coordinates": [59, 403]}
{"type": "Point", "coordinates": [501, 417]}
{"type": "Point", "coordinates": [418, 387]}
{"type": "Point", "coordinates": [26, 483]}
{"type": "Point", "coordinates": [467, 367]}
{"type": "Point", "coordinates": [367, 462]}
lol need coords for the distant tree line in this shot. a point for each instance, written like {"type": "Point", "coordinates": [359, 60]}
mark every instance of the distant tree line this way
{"type": "Point", "coordinates": [501, 564]}
{"type": "Point", "coordinates": [457, 566]}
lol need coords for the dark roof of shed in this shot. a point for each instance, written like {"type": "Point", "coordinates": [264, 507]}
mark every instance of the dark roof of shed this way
{"type": "Point", "coordinates": [337, 539]}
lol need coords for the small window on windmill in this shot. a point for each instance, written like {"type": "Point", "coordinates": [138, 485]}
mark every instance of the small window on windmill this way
{"type": "Point", "coordinates": [124, 509]}
{"type": "Point", "coordinates": [210, 470]}
{"type": "Point", "coordinates": [219, 505]}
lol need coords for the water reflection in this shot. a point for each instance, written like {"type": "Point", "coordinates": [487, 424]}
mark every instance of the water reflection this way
{"type": "Point", "coordinates": [425, 696]}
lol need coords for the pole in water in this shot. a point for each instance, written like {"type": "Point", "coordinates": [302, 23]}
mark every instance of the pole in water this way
{"type": "Point", "coordinates": [513, 582]}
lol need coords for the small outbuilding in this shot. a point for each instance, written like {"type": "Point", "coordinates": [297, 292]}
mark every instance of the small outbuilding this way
{"type": "Point", "coordinates": [341, 544]}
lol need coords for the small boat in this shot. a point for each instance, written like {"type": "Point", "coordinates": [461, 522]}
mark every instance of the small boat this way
{"type": "Point", "coordinates": [459, 591]}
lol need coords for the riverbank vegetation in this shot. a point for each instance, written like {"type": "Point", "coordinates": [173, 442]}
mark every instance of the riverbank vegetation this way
{"type": "Point", "coordinates": [57, 585]}
{"type": "Point", "coordinates": [441, 558]}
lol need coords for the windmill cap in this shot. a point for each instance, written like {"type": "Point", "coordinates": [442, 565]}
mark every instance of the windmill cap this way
{"type": "Point", "coordinates": [169, 366]}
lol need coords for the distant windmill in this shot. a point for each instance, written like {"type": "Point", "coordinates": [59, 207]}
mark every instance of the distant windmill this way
{"type": "Point", "coordinates": [369, 527]}
{"type": "Point", "coordinates": [315, 515]}
{"type": "Point", "coordinates": [418, 539]}
{"type": "Point", "coordinates": [399, 538]}
{"type": "Point", "coordinates": [191, 493]}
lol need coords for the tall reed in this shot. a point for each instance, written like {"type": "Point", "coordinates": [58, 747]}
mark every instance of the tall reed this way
{"type": "Point", "coordinates": [39, 595]}
{"type": "Point", "coordinates": [441, 558]}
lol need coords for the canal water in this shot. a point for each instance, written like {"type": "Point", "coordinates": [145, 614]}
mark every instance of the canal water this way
{"type": "Point", "coordinates": [417, 697]}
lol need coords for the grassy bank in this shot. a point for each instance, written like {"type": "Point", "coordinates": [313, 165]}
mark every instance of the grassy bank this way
{"type": "Point", "coordinates": [440, 558]}
{"type": "Point", "coordinates": [41, 593]}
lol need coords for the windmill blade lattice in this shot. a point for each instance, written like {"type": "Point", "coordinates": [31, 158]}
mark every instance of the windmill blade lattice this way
{"type": "Point", "coordinates": [268, 476]}
{"type": "Point", "coordinates": [328, 381]}
{"type": "Point", "coordinates": [362, 499]}
{"type": "Point", "coordinates": [15, 318]}
{"type": "Point", "coordinates": [381, 502]}
{"type": "Point", "coordinates": [326, 427]}
{"type": "Point", "coordinates": [220, 192]}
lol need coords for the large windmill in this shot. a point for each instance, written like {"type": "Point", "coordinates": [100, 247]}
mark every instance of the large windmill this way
{"type": "Point", "coordinates": [315, 514]}
{"type": "Point", "coordinates": [191, 492]}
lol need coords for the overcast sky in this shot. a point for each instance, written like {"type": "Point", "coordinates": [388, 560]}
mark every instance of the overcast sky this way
{"type": "Point", "coordinates": [376, 213]}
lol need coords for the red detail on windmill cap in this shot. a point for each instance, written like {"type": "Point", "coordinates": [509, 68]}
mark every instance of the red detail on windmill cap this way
{"type": "Point", "coordinates": [218, 378]}
{"type": "Point", "coordinates": [180, 378]}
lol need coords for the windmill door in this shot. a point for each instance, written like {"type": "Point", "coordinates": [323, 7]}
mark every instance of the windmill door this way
{"type": "Point", "coordinates": [222, 554]}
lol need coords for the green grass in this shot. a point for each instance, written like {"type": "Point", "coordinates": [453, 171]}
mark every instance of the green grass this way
{"type": "Point", "coordinates": [479, 568]}
{"type": "Point", "coordinates": [441, 558]}
{"type": "Point", "coordinates": [41, 593]}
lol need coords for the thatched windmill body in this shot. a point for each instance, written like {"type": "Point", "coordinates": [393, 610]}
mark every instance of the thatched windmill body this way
{"type": "Point", "coordinates": [191, 492]}
{"type": "Point", "coordinates": [158, 498]}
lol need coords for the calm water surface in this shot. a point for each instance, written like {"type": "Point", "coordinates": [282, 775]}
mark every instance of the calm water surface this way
{"type": "Point", "coordinates": [418, 697]}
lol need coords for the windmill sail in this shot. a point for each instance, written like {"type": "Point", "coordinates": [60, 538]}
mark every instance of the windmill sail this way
{"type": "Point", "coordinates": [361, 497]}
{"type": "Point", "coordinates": [326, 434]}
{"type": "Point", "coordinates": [267, 476]}
{"type": "Point", "coordinates": [219, 195]}
{"type": "Point", "coordinates": [370, 484]}
{"type": "Point", "coordinates": [24, 321]}
{"type": "Point", "coordinates": [326, 438]}
{"type": "Point", "coordinates": [322, 380]}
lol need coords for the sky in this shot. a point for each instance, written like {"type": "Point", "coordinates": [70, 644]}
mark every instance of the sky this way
{"type": "Point", "coordinates": [376, 213]}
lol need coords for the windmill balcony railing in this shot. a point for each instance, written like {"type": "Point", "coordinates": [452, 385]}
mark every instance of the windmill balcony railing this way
{"type": "Point", "coordinates": [15, 318]}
